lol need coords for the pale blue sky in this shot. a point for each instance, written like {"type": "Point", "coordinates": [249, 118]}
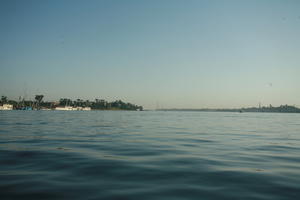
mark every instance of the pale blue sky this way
{"type": "Point", "coordinates": [184, 54]}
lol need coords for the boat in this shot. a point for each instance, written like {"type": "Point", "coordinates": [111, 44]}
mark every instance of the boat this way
{"type": "Point", "coordinates": [72, 108]}
{"type": "Point", "coordinates": [86, 108]}
{"type": "Point", "coordinates": [26, 108]}
{"type": "Point", "coordinates": [65, 108]}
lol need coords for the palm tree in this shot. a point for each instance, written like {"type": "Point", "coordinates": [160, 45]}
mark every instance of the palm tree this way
{"type": "Point", "coordinates": [38, 99]}
{"type": "Point", "coordinates": [4, 99]}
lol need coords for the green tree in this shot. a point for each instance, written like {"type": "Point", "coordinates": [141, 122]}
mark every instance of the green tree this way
{"type": "Point", "coordinates": [65, 102]}
{"type": "Point", "coordinates": [4, 99]}
{"type": "Point", "coordinates": [38, 99]}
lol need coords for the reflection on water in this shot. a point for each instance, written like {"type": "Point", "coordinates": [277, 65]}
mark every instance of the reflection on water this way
{"type": "Point", "coordinates": [149, 155]}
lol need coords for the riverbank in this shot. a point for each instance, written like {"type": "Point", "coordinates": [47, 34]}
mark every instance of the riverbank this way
{"type": "Point", "coordinates": [270, 109]}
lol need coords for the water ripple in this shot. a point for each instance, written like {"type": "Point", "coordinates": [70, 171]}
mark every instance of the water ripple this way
{"type": "Point", "coordinates": [149, 155]}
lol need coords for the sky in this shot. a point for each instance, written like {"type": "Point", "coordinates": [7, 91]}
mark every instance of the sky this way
{"type": "Point", "coordinates": [154, 53]}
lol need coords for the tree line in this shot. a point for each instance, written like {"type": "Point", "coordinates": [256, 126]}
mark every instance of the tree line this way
{"type": "Point", "coordinates": [98, 104]}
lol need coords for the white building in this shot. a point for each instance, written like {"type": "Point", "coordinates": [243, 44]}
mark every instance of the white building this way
{"type": "Point", "coordinates": [6, 107]}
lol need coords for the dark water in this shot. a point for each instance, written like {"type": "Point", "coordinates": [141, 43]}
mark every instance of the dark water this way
{"type": "Point", "coordinates": [149, 155]}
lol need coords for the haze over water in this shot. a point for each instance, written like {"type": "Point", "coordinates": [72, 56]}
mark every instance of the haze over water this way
{"type": "Point", "coordinates": [149, 155]}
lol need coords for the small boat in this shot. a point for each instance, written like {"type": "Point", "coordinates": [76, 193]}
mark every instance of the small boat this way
{"type": "Point", "coordinates": [86, 108]}
{"type": "Point", "coordinates": [65, 108]}
{"type": "Point", "coordinates": [72, 108]}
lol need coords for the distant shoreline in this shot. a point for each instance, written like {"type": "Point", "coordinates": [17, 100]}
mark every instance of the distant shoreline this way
{"type": "Point", "coordinates": [270, 109]}
{"type": "Point", "coordinates": [65, 104]}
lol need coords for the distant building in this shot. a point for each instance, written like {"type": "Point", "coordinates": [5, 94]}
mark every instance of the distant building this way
{"type": "Point", "coordinates": [6, 107]}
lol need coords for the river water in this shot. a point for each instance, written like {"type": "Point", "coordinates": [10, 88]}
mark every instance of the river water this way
{"type": "Point", "coordinates": [149, 155]}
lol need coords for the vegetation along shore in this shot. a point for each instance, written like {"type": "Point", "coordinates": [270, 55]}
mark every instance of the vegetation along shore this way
{"type": "Point", "coordinates": [65, 104]}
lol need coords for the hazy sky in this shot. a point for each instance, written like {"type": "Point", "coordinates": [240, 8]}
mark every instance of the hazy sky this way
{"type": "Point", "coordinates": [184, 54]}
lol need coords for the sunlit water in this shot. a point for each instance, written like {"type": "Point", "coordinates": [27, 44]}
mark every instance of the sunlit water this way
{"type": "Point", "coordinates": [149, 155]}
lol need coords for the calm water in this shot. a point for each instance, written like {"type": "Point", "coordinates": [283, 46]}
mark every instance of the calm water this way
{"type": "Point", "coordinates": [149, 155]}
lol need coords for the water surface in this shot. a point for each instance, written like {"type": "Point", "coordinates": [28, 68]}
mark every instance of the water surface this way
{"type": "Point", "coordinates": [149, 155]}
